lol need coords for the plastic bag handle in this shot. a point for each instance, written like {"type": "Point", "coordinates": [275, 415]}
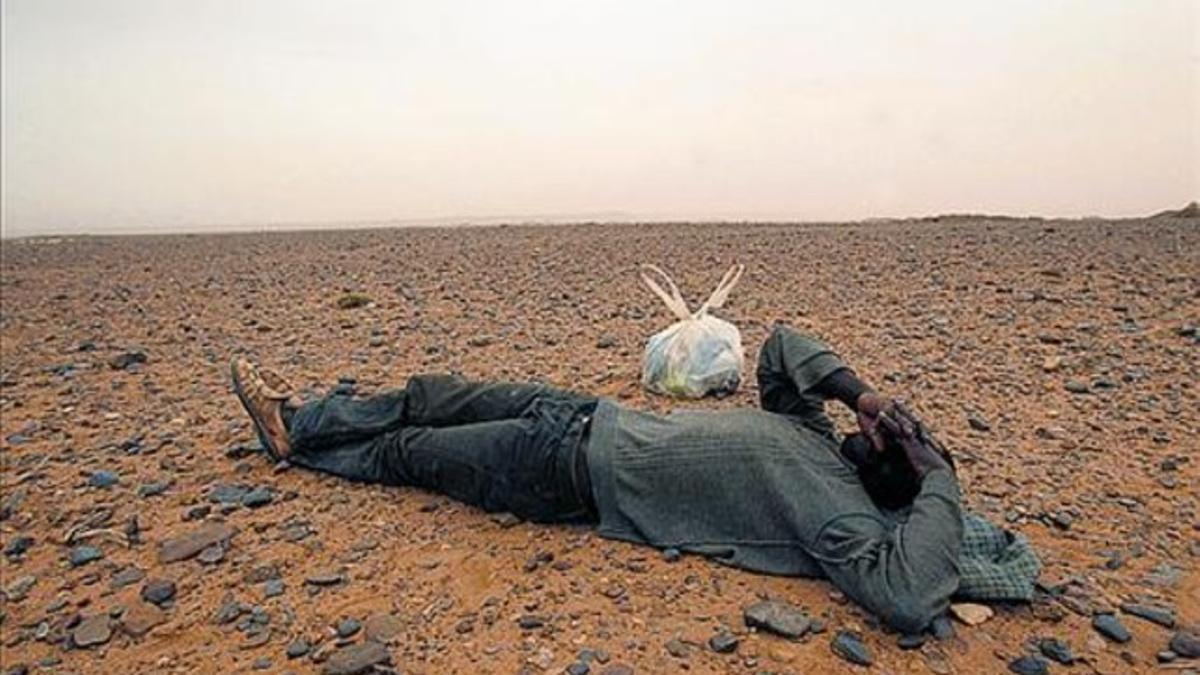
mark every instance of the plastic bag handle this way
{"type": "Point", "coordinates": [673, 300]}
{"type": "Point", "coordinates": [721, 293]}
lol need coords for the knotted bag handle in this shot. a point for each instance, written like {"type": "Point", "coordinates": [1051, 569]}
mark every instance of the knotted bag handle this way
{"type": "Point", "coordinates": [721, 293]}
{"type": "Point", "coordinates": [673, 300]}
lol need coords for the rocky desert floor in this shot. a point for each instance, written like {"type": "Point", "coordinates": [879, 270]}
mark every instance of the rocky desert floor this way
{"type": "Point", "coordinates": [143, 532]}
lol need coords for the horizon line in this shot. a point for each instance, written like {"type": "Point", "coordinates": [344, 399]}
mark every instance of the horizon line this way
{"type": "Point", "coordinates": [546, 220]}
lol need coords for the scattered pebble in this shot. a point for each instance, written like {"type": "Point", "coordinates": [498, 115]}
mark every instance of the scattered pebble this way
{"type": "Point", "coordinates": [849, 646]}
{"type": "Point", "coordinates": [1111, 627]}
{"type": "Point", "coordinates": [777, 617]}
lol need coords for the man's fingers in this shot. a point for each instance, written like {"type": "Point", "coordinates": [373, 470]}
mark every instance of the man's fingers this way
{"type": "Point", "coordinates": [905, 413]}
{"type": "Point", "coordinates": [876, 439]}
{"type": "Point", "coordinates": [890, 424]}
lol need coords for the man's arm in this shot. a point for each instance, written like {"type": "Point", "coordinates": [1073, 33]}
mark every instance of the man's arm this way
{"type": "Point", "coordinates": [791, 368]}
{"type": "Point", "coordinates": [797, 373]}
{"type": "Point", "coordinates": [905, 575]}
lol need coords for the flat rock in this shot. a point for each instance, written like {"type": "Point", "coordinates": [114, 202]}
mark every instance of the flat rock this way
{"type": "Point", "coordinates": [777, 617]}
{"type": "Point", "coordinates": [92, 631]}
{"type": "Point", "coordinates": [1056, 650]}
{"type": "Point", "coordinates": [942, 628]}
{"type": "Point", "coordinates": [140, 617]}
{"type": "Point", "coordinates": [1185, 644]}
{"type": "Point", "coordinates": [357, 659]}
{"type": "Point", "coordinates": [83, 554]}
{"type": "Point", "coordinates": [849, 646]}
{"type": "Point", "coordinates": [297, 648]}
{"type": "Point", "coordinates": [348, 627]}
{"type": "Point", "coordinates": [19, 588]}
{"type": "Point", "coordinates": [190, 544]}
{"type": "Point", "coordinates": [971, 613]}
{"type": "Point", "coordinates": [325, 578]}
{"type": "Point", "coordinates": [723, 643]}
{"type": "Point", "coordinates": [1159, 615]}
{"type": "Point", "coordinates": [158, 591]}
{"type": "Point", "coordinates": [1029, 665]}
{"type": "Point", "coordinates": [228, 494]}
{"type": "Point", "coordinates": [1111, 627]}
{"type": "Point", "coordinates": [258, 497]}
{"type": "Point", "coordinates": [382, 627]}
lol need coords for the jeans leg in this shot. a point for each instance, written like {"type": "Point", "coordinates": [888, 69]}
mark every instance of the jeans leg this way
{"type": "Point", "coordinates": [335, 420]}
{"type": "Point", "coordinates": [523, 465]}
{"type": "Point", "coordinates": [446, 400]}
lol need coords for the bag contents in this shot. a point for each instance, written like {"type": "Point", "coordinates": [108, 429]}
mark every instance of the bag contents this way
{"type": "Point", "coordinates": [699, 354]}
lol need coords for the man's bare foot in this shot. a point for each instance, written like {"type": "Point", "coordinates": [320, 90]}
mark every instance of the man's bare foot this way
{"type": "Point", "coordinates": [263, 394]}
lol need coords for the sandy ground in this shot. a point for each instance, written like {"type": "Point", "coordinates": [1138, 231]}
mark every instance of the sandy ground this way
{"type": "Point", "coordinates": [996, 321]}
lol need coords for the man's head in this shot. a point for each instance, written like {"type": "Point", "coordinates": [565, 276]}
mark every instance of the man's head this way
{"type": "Point", "coordinates": [888, 477]}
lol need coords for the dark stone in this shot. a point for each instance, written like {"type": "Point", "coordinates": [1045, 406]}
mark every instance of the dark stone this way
{"type": "Point", "coordinates": [273, 588]}
{"type": "Point", "coordinates": [262, 663]}
{"type": "Point", "coordinates": [606, 342]}
{"type": "Point", "coordinates": [777, 617]}
{"type": "Point", "coordinates": [82, 555]}
{"type": "Point", "coordinates": [578, 668]}
{"type": "Point", "coordinates": [348, 627]}
{"type": "Point", "coordinates": [1166, 656]}
{"type": "Point", "coordinates": [1062, 520]}
{"type": "Point", "coordinates": [260, 496]}
{"type": "Point", "coordinates": [17, 546]}
{"type": "Point", "coordinates": [1159, 615]}
{"type": "Point", "coordinates": [1056, 650]}
{"type": "Point", "coordinates": [978, 423]}
{"type": "Point", "coordinates": [849, 646]}
{"type": "Point", "coordinates": [152, 489]}
{"type": "Point", "coordinates": [297, 648]}
{"type": "Point", "coordinates": [158, 591]}
{"type": "Point", "coordinates": [942, 628]}
{"type": "Point", "coordinates": [1029, 665]}
{"type": "Point", "coordinates": [103, 479]}
{"type": "Point", "coordinates": [229, 611]}
{"type": "Point", "coordinates": [915, 641]}
{"type": "Point", "coordinates": [530, 621]}
{"type": "Point", "coordinates": [1111, 627]}
{"type": "Point", "coordinates": [671, 555]}
{"type": "Point", "coordinates": [126, 360]}
{"type": "Point", "coordinates": [1185, 644]}
{"type": "Point", "coordinates": [360, 658]}
{"type": "Point", "coordinates": [197, 512]}
{"type": "Point", "coordinates": [228, 494]}
{"type": "Point", "coordinates": [723, 643]}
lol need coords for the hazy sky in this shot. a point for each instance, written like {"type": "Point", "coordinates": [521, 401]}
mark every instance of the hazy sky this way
{"type": "Point", "coordinates": [167, 114]}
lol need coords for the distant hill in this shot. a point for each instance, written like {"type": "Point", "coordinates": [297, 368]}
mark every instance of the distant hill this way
{"type": "Point", "coordinates": [1192, 210]}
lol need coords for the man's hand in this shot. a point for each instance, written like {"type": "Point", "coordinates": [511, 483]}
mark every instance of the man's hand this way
{"type": "Point", "coordinates": [910, 433]}
{"type": "Point", "coordinates": [869, 407]}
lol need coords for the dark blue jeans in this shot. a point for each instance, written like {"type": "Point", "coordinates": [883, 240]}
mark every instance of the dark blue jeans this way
{"type": "Point", "coordinates": [501, 447]}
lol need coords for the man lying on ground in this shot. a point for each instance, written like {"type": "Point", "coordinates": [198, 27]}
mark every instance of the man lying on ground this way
{"type": "Point", "coordinates": [774, 490]}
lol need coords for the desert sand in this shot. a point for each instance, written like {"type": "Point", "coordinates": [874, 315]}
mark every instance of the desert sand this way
{"type": "Point", "coordinates": [142, 532]}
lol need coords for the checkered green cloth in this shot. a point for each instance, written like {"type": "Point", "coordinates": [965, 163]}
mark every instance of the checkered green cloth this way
{"type": "Point", "coordinates": [995, 565]}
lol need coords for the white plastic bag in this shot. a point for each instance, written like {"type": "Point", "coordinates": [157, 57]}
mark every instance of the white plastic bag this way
{"type": "Point", "coordinates": [699, 354]}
